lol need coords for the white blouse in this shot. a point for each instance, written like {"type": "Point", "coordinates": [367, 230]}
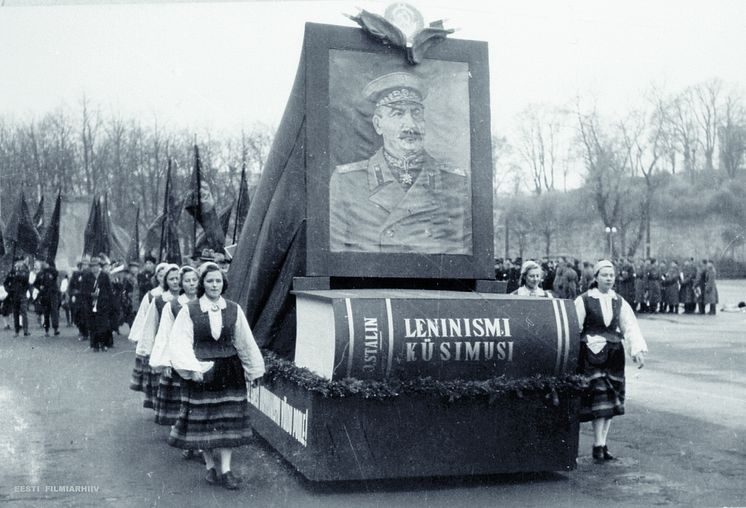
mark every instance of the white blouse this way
{"type": "Point", "coordinates": [150, 326]}
{"type": "Point", "coordinates": [159, 354]}
{"type": "Point", "coordinates": [525, 291]}
{"type": "Point", "coordinates": [142, 310]}
{"type": "Point", "coordinates": [627, 321]}
{"type": "Point", "coordinates": [181, 342]}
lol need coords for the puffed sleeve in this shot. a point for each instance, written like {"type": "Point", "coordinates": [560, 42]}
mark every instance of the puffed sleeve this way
{"type": "Point", "coordinates": [148, 330]}
{"type": "Point", "coordinates": [580, 310]}
{"type": "Point", "coordinates": [181, 348]}
{"type": "Point", "coordinates": [158, 357]}
{"type": "Point", "coordinates": [631, 330]}
{"type": "Point", "coordinates": [248, 351]}
{"type": "Point", "coordinates": [136, 328]}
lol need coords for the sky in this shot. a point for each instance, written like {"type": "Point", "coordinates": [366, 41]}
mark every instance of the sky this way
{"type": "Point", "coordinates": [227, 65]}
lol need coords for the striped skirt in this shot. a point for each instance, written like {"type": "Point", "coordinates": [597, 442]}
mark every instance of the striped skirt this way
{"type": "Point", "coordinates": [137, 381]}
{"type": "Point", "coordinates": [168, 400]}
{"type": "Point", "coordinates": [214, 413]}
{"type": "Point", "coordinates": [604, 397]}
{"type": "Point", "coordinates": [151, 380]}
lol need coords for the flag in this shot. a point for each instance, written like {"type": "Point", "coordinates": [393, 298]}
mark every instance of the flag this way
{"type": "Point", "coordinates": [51, 239]}
{"type": "Point", "coordinates": [39, 216]}
{"type": "Point", "coordinates": [21, 231]}
{"type": "Point", "coordinates": [201, 206]}
{"type": "Point", "coordinates": [168, 247]}
{"type": "Point", "coordinates": [242, 208]}
{"type": "Point", "coordinates": [133, 251]}
{"type": "Point", "coordinates": [224, 218]}
{"type": "Point", "coordinates": [97, 236]}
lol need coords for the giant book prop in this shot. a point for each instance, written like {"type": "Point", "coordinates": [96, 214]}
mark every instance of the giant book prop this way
{"type": "Point", "coordinates": [377, 334]}
{"type": "Point", "coordinates": [380, 177]}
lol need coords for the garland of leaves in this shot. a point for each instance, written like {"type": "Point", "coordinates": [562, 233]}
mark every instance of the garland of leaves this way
{"type": "Point", "coordinates": [548, 387]}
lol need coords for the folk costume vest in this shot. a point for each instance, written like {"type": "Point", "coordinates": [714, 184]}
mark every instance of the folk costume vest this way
{"type": "Point", "coordinates": [594, 319]}
{"type": "Point", "coordinates": [205, 346]}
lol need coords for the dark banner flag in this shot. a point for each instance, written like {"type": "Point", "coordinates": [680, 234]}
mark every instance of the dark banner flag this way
{"type": "Point", "coordinates": [39, 216]}
{"type": "Point", "coordinates": [242, 208]}
{"type": "Point", "coordinates": [51, 239]}
{"type": "Point", "coordinates": [201, 206]}
{"type": "Point", "coordinates": [168, 247]}
{"type": "Point", "coordinates": [21, 231]}
{"type": "Point", "coordinates": [97, 232]}
{"type": "Point", "coordinates": [224, 218]}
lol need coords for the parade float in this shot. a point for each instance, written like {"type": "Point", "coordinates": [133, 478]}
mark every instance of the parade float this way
{"type": "Point", "coordinates": [365, 267]}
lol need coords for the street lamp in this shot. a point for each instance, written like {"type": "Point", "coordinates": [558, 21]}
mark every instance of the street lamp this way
{"type": "Point", "coordinates": [610, 232]}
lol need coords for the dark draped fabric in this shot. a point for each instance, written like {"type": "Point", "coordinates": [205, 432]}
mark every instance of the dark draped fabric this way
{"type": "Point", "coordinates": [271, 247]}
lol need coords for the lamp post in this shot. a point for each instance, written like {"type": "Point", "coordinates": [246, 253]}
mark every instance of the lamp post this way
{"type": "Point", "coordinates": [610, 232]}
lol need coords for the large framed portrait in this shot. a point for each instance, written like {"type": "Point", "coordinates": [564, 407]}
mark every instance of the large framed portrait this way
{"type": "Point", "coordinates": [399, 174]}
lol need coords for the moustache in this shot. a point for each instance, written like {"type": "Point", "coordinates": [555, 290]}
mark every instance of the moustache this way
{"type": "Point", "coordinates": [410, 133]}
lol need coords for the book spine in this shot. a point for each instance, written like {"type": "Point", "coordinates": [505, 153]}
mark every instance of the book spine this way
{"type": "Point", "coordinates": [449, 339]}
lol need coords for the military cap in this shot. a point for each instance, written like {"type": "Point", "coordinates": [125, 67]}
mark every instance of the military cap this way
{"type": "Point", "coordinates": [95, 260]}
{"type": "Point", "coordinates": [395, 87]}
{"type": "Point", "coordinates": [134, 263]}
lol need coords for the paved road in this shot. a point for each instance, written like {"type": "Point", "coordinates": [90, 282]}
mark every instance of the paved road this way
{"type": "Point", "coordinates": [68, 420]}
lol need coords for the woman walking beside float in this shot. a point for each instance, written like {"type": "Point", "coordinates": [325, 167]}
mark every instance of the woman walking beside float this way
{"type": "Point", "coordinates": [606, 321]}
{"type": "Point", "coordinates": [213, 350]}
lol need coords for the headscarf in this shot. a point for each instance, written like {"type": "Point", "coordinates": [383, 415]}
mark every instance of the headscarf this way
{"type": "Point", "coordinates": [527, 266]}
{"type": "Point", "coordinates": [604, 263]}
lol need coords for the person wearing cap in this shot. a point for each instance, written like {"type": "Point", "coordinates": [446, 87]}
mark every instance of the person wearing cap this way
{"type": "Point", "coordinates": [213, 349]}
{"type": "Point", "coordinates": [130, 292]}
{"type": "Point", "coordinates": [17, 285]}
{"type": "Point", "coordinates": [49, 297]}
{"type": "Point", "coordinates": [607, 322]}
{"type": "Point", "coordinates": [102, 307]}
{"type": "Point", "coordinates": [145, 277]}
{"type": "Point", "coordinates": [79, 297]}
{"type": "Point", "coordinates": [401, 199]}
{"type": "Point", "coordinates": [531, 277]}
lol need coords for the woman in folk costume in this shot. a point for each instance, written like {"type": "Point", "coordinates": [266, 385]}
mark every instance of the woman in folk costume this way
{"type": "Point", "coordinates": [170, 291]}
{"type": "Point", "coordinates": [606, 321]}
{"type": "Point", "coordinates": [531, 276]}
{"type": "Point", "coordinates": [138, 373]}
{"type": "Point", "coordinates": [168, 398]}
{"type": "Point", "coordinates": [213, 349]}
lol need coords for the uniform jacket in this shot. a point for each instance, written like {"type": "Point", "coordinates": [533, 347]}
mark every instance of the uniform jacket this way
{"type": "Point", "coordinates": [711, 289]}
{"type": "Point", "coordinates": [370, 211]}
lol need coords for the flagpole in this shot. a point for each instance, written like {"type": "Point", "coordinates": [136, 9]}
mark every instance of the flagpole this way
{"type": "Point", "coordinates": [165, 211]}
{"type": "Point", "coordinates": [198, 210]}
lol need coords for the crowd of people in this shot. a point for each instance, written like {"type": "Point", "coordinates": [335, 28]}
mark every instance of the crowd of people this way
{"type": "Point", "coordinates": [98, 297]}
{"type": "Point", "coordinates": [195, 350]}
{"type": "Point", "coordinates": [647, 285]}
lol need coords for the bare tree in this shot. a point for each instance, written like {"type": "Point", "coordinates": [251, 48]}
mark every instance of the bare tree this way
{"type": "Point", "coordinates": [704, 99]}
{"type": "Point", "coordinates": [540, 144]}
{"type": "Point", "coordinates": [732, 135]}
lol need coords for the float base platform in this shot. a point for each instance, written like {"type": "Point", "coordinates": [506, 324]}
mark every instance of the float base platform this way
{"type": "Point", "coordinates": [334, 439]}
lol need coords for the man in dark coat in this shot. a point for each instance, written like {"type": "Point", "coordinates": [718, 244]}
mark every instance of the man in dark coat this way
{"type": "Point", "coordinates": [710, 296]}
{"type": "Point", "coordinates": [79, 298]}
{"type": "Point", "coordinates": [654, 285]}
{"type": "Point", "coordinates": [145, 278]}
{"type": "Point", "coordinates": [688, 279]}
{"type": "Point", "coordinates": [130, 293]}
{"type": "Point", "coordinates": [49, 297]}
{"type": "Point", "coordinates": [17, 285]}
{"type": "Point", "coordinates": [102, 307]}
{"type": "Point", "coordinates": [699, 285]}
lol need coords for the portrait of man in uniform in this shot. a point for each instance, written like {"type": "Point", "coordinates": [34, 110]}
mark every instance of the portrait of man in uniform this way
{"type": "Point", "coordinates": [401, 198]}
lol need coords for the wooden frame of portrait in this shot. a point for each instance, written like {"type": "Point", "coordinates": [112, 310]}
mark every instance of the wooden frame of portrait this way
{"type": "Point", "coordinates": [320, 42]}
